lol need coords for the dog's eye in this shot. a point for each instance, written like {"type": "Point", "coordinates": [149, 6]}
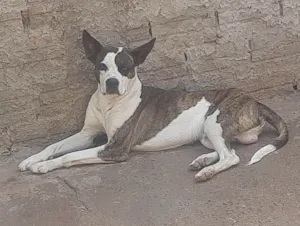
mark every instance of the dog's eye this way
{"type": "Point", "coordinates": [124, 70]}
{"type": "Point", "coordinates": [102, 67]}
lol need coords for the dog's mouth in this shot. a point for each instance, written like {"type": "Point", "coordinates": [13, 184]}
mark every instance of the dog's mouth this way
{"type": "Point", "coordinates": [112, 92]}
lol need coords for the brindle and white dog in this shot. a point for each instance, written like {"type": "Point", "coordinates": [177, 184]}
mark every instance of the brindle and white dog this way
{"type": "Point", "coordinates": [140, 118]}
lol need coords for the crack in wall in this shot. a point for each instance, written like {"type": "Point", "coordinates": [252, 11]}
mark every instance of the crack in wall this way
{"type": "Point", "coordinates": [295, 84]}
{"type": "Point", "coordinates": [280, 2]}
{"type": "Point", "coordinates": [250, 50]}
{"type": "Point", "coordinates": [25, 19]}
{"type": "Point", "coordinates": [150, 29]}
{"type": "Point", "coordinates": [185, 56]}
{"type": "Point", "coordinates": [217, 18]}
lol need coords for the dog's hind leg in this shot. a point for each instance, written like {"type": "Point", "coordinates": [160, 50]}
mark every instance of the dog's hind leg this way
{"type": "Point", "coordinates": [88, 156]}
{"type": "Point", "coordinates": [227, 156]}
{"type": "Point", "coordinates": [205, 159]}
{"type": "Point", "coordinates": [206, 142]}
{"type": "Point", "coordinates": [79, 141]}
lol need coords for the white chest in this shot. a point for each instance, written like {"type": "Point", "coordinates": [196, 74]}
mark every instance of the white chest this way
{"type": "Point", "coordinates": [118, 115]}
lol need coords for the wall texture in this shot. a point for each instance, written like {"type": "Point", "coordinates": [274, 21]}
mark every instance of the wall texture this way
{"type": "Point", "coordinates": [46, 81]}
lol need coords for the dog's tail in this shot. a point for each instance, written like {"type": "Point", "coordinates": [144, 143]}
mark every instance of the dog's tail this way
{"type": "Point", "coordinates": [277, 122]}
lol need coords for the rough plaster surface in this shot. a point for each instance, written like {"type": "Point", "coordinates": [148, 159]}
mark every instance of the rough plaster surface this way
{"type": "Point", "coordinates": [46, 81]}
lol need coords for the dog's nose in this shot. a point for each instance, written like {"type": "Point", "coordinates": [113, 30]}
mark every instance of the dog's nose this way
{"type": "Point", "coordinates": [112, 82]}
{"type": "Point", "coordinates": [112, 85]}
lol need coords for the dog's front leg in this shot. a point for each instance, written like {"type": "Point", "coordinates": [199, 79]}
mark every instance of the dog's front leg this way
{"type": "Point", "coordinates": [79, 141]}
{"type": "Point", "coordinates": [88, 156]}
{"type": "Point", "coordinates": [109, 153]}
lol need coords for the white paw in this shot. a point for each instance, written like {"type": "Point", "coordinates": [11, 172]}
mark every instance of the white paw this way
{"type": "Point", "coordinates": [27, 163]}
{"type": "Point", "coordinates": [196, 165]}
{"type": "Point", "coordinates": [205, 174]}
{"type": "Point", "coordinates": [204, 160]}
{"type": "Point", "coordinates": [42, 167]}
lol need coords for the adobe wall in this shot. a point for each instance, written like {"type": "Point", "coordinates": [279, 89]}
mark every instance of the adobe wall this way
{"type": "Point", "coordinates": [46, 81]}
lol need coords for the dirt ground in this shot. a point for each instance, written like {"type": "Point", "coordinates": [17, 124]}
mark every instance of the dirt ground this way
{"type": "Point", "coordinates": [158, 189]}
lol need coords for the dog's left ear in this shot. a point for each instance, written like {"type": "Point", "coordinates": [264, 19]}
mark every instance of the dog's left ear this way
{"type": "Point", "coordinates": [140, 53]}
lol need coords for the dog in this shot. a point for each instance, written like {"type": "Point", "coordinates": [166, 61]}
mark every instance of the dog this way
{"type": "Point", "coordinates": [129, 116]}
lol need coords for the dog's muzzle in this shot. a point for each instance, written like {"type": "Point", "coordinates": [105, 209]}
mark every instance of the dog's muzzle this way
{"type": "Point", "coordinates": [112, 86]}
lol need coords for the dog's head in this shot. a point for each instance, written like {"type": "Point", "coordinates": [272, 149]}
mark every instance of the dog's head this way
{"type": "Point", "coordinates": [114, 67]}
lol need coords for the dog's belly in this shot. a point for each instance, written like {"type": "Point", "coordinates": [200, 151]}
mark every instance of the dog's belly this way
{"type": "Point", "coordinates": [186, 128]}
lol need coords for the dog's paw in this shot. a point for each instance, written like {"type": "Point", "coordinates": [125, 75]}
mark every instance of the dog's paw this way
{"type": "Point", "coordinates": [43, 167]}
{"type": "Point", "coordinates": [204, 160]}
{"type": "Point", "coordinates": [205, 174]}
{"type": "Point", "coordinates": [27, 163]}
{"type": "Point", "coordinates": [197, 164]}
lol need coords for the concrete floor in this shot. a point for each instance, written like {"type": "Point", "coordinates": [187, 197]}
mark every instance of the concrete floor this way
{"type": "Point", "coordinates": [158, 189]}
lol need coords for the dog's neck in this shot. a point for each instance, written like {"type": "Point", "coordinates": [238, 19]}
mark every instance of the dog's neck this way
{"type": "Point", "coordinates": [132, 95]}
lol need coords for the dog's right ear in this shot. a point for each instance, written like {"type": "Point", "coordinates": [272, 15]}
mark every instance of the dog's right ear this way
{"type": "Point", "coordinates": [91, 46]}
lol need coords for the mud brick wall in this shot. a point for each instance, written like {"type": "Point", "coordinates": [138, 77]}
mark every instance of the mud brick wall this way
{"type": "Point", "coordinates": [46, 81]}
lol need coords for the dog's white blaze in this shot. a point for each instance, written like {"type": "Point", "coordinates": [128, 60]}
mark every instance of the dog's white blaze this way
{"type": "Point", "coordinates": [112, 72]}
{"type": "Point", "coordinates": [186, 128]}
{"type": "Point", "coordinates": [112, 113]}
{"type": "Point", "coordinates": [261, 153]}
